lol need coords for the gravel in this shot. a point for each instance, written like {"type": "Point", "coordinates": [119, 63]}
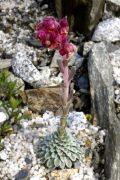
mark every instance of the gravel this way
{"type": "Point", "coordinates": [20, 148]}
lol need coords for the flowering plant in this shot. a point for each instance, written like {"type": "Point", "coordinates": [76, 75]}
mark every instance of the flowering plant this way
{"type": "Point", "coordinates": [53, 34]}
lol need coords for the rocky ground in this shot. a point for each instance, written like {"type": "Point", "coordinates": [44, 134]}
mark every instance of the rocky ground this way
{"type": "Point", "coordinates": [19, 161]}
{"type": "Point", "coordinates": [36, 67]}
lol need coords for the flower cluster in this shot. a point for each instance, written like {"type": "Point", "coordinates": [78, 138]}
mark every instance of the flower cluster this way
{"type": "Point", "coordinates": [53, 34]}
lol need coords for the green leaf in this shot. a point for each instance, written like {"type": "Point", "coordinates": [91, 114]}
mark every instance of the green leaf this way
{"type": "Point", "coordinates": [73, 157]}
{"type": "Point", "coordinates": [62, 165]}
{"type": "Point", "coordinates": [57, 162]}
{"type": "Point", "coordinates": [3, 76]}
{"type": "Point", "coordinates": [62, 158]}
{"type": "Point", "coordinates": [50, 163]}
{"type": "Point", "coordinates": [14, 103]}
{"type": "Point", "coordinates": [52, 149]}
{"type": "Point", "coordinates": [5, 129]}
{"type": "Point", "coordinates": [43, 160]}
{"type": "Point", "coordinates": [41, 154]}
{"type": "Point", "coordinates": [88, 117]}
{"type": "Point", "coordinates": [43, 148]}
{"type": "Point", "coordinates": [68, 162]}
{"type": "Point", "coordinates": [73, 149]}
{"type": "Point", "coordinates": [11, 86]}
{"type": "Point", "coordinates": [53, 155]}
{"type": "Point", "coordinates": [59, 152]}
{"type": "Point", "coordinates": [47, 156]}
{"type": "Point", "coordinates": [1, 103]}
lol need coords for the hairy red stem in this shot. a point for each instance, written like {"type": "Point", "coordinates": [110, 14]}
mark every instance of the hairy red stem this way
{"type": "Point", "coordinates": [66, 84]}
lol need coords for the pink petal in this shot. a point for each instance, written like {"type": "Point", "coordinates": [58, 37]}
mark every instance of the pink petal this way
{"type": "Point", "coordinates": [64, 27]}
{"type": "Point", "coordinates": [50, 23]}
{"type": "Point", "coordinates": [64, 22]}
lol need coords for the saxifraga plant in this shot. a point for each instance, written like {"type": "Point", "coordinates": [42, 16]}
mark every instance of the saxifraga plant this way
{"type": "Point", "coordinates": [60, 149]}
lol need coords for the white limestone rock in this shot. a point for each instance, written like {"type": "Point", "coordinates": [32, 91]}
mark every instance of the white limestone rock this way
{"type": "Point", "coordinates": [3, 155]}
{"type": "Point", "coordinates": [24, 144]}
{"type": "Point", "coordinates": [108, 30]}
{"type": "Point", "coordinates": [115, 61]}
{"type": "Point", "coordinates": [87, 47]}
{"type": "Point", "coordinates": [2, 117]}
{"type": "Point", "coordinates": [25, 69]}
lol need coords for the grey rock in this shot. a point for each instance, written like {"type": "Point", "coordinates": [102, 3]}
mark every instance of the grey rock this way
{"type": "Point", "coordinates": [87, 47]}
{"type": "Point", "coordinates": [115, 61]}
{"type": "Point", "coordinates": [118, 115]}
{"type": "Point", "coordinates": [5, 63]}
{"type": "Point", "coordinates": [111, 47]}
{"type": "Point", "coordinates": [115, 57]}
{"type": "Point", "coordinates": [83, 15]}
{"type": "Point", "coordinates": [76, 60]}
{"type": "Point", "coordinates": [102, 94]}
{"type": "Point", "coordinates": [25, 69]}
{"type": "Point", "coordinates": [56, 57]}
{"type": "Point", "coordinates": [77, 164]}
{"type": "Point", "coordinates": [117, 99]}
{"type": "Point", "coordinates": [113, 6]}
{"type": "Point", "coordinates": [3, 115]}
{"type": "Point", "coordinates": [33, 42]}
{"type": "Point", "coordinates": [108, 30]}
{"type": "Point", "coordinates": [22, 174]}
{"type": "Point", "coordinates": [117, 91]}
{"type": "Point", "coordinates": [83, 83]}
{"type": "Point", "coordinates": [107, 14]}
{"type": "Point", "coordinates": [20, 86]}
{"type": "Point", "coordinates": [3, 155]}
{"type": "Point", "coordinates": [45, 6]}
{"type": "Point", "coordinates": [76, 176]}
{"type": "Point", "coordinates": [28, 160]}
{"type": "Point", "coordinates": [114, 54]}
{"type": "Point", "coordinates": [100, 74]}
{"type": "Point", "coordinates": [6, 44]}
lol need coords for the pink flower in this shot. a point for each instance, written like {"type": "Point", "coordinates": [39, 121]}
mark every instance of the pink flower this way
{"type": "Point", "coordinates": [66, 50]}
{"type": "Point", "coordinates": [49, 24]}
{"type": "Point", "coordinates": [41, 35]}
{"type": "Point", "coordinates": [52, 33]}
{"type": "Point", "coordinates": [64, 27]}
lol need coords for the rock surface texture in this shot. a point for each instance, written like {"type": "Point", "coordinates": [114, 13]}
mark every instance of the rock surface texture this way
{"type": "Point", "coordinates": [19, 156]}
{"type": "Point", "coordinates": [41, 99]}
{"type": "Point", "coordinates": [82, 14]}
{"type": "Point", "coordinates": [102, 92]}
{"type": "Point", "coordinates": [24, 68]}
{"type": "Point", "coordinates": [113, 6]}
{"type": "Point", "coordinates": [108, 30]}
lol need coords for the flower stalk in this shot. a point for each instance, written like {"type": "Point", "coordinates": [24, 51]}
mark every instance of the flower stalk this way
{"type": "Point", "coordinates": [53, 34]}
{"type": "Point", "coordinates": [65, 104]}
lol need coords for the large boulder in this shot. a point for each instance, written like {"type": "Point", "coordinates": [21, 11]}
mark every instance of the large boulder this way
{"type": "Point", "coordinates": [24, 68]}
{"type": "Point", "coordinates": [83, 15]}
{"type": "Point", "coordinates": [42, 99]}
{"type": "Point", "coordinates": [102, 94]}
{"type": "Point", "coordinates": [108, 30]}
